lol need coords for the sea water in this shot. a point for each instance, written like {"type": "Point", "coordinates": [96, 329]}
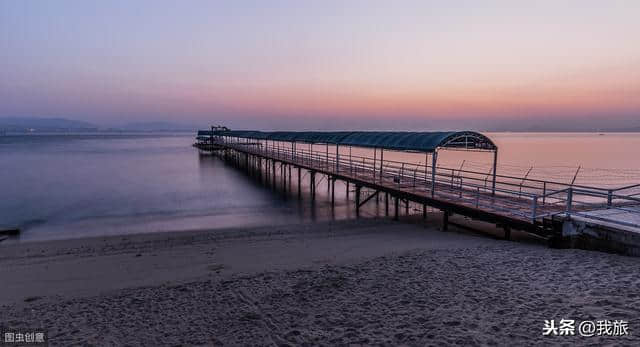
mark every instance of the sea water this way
{"type": "Point", "coordinates": [65, 186]}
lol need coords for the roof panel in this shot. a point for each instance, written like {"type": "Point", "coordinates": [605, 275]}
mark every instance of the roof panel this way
{"type": "Point", "coordinates": [398, 140]}
{"type": "Point", "coordinates": [281, 136]}
{"type": "Point", "coordinates": [393, 140]}
{"type": "Point", "coordinates": [333, 137]}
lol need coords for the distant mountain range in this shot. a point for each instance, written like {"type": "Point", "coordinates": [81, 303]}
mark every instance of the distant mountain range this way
{"type": "Point", "coordinates": [61, 125]}
{"type": "Point", "coordinates": [14, 124]}
{"type": "Point", "coordinates": [157, 126]}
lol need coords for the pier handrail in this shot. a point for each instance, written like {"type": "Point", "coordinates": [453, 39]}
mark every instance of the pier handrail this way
{"type": "Point", "coordinates": [483, 174]}
{"type": "Point", "coordinates": [388, 165]}
{"type": "Point", "coordinates": [571, 206]}
{"type": "Point", "coordinates": [522, 179]}
{"type": "Point", "coordinates": [413, 166]}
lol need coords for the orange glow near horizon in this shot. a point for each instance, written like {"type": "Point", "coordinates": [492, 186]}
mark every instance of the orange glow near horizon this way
{"type": "Point", "coordinates": [568, 96]}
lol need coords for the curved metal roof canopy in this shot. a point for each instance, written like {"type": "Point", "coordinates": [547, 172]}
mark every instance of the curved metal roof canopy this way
{"type": "Point", "coordinates": [393, 140]}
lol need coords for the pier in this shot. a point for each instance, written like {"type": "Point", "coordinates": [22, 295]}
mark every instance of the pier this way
{"type": "Point", "coordinates": [534, 206]}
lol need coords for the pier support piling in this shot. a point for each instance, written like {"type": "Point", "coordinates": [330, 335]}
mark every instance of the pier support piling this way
{"type": "Point", "coordinates": [328, 184]}
{"type": "Point", "coordinates": [396, 203]}
{"type": "Point", "coordinates": [357, 200]}
{"type": "Point", "coordinates": [273, 172]}
{"type": "Point", "coordinates": [299, 182]}
{"type": "Point", "coordinates": [386, 204]}
{"type": "Point", "coordinates": [312, 181]}
{"type": "Point", "coordinates": [347, 190]}
{"type": "Point", "coordinates": [445, 220]}
{"type": "Point", "coordinates": [333, 192]}
{"type": "Point", "coordinates": [507, 232]}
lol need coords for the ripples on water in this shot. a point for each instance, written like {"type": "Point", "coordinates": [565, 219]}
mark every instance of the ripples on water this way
{"type": "Point", "coordinates": [62, 186]}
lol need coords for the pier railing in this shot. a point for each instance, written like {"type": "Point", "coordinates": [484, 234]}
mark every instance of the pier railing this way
{"type": "Point", "coordinates": [518, 197]}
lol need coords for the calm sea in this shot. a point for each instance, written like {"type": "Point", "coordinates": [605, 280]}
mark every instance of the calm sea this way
{"type": "Point", "coordinates": [64, 186]}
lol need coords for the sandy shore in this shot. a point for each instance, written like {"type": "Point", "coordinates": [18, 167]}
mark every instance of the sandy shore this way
{"type": "Point", "coordinates": [353, 282]}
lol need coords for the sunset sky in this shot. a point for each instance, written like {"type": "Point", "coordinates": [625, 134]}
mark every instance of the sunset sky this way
{"type": "Point", "coordinates": [324, 64]}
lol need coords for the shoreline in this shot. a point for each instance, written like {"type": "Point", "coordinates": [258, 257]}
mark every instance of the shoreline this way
{"type": "Point", "coordinates": [143, 251]}
{"type": "Point", "coordinates": [346, 282]}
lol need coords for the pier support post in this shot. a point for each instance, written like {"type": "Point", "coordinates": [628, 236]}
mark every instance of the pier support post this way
{"type": "Point", "coordinates": [299, 183]}
{"type": "Point", "coordinates": [347, 190]}
{"type": "Point", "coordinates": [396, 203]}
{"type": "Point", "coordinates": [507, 232]}
{"type": "Point", "coordinates": [424, 211]}
{"type": "Point", "coordinates": [357, 200]}
{"type": "Point", "coordinates": [283, 177]}
{"type": "Point", "coordinates": [333, 191]}
{"type": "Point", "coordinates": [406, 207]}
{"type": "Point", "coordinates": [386, 204]}
{"type": "Point", "coordinates": [265, 170]}
{"type": "Point", "coordinates": [273, 171]}
{"type": "Point", "coordinates": [445, 220]}
{"type": "Point", "coordinates": [328, 184]}
{"type": "Point", "coordinates": [254, 165]}
{"type": "Point", "coordinates": [312, 181]}
{"type": "Point", "coordinates": [258, 162]}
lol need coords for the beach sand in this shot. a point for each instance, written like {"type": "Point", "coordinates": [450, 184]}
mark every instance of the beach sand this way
{"type": "Point", "coordinates": [367, 282]}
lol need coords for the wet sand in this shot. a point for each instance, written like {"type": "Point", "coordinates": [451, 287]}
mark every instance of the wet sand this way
{"type": "Point", "coordinates": [367, 282]}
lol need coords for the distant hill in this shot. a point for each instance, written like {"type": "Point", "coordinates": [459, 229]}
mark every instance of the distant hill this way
{"type": "Point", "coordinates": [15, 124]}
{"type": "Point", "coordinates": [20, 125]}
{"type": "Point", "coordinates": [157, 126]}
